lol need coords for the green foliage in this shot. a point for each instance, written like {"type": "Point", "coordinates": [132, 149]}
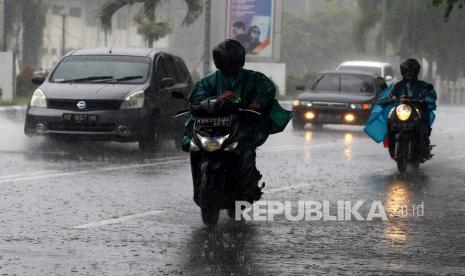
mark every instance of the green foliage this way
{"type": "Point", "coordinates": [148, 26]}
{"type": "Point", "coordinates": [320, 40]}
{"type": "Point", "coordinates": [150, 29]}
{"type": "Point", "coordinates": [317, 41]}
{"type": "Point", "coordinates": [24, 86]}
{"type": "Point", "coordinates": [416, 29]}
{"type": "Point", "coordinates": [25, 20]}
{"type": "Point", "coordinates": [449, 5]}
{"type": "Point", "coordinates": [293, 81]}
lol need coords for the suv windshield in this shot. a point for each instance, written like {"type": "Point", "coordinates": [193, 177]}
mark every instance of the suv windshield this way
{"type": "Point", "coordinates": [369, 69]}
{"type": "Point", "coordinates": [92, 69]}
{"type": "Point", "coordinates": [347, 83]}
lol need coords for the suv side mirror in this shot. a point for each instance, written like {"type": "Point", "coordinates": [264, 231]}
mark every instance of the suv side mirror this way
{"type": "Point", "coordinates": [167, 82]}
{"type": "Point", "coordinates": [38, 78]}
{"type": "Point", "coordinates": [300, 87]}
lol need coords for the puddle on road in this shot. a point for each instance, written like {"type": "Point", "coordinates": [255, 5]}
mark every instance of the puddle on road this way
{"type": "Point", "coordinates": [12, 137]}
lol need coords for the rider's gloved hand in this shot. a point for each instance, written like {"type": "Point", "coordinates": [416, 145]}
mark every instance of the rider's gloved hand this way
{"type": "Point", "coordinates": [228, 96]}
{"type": "Point", "coordinates": [254, 107]}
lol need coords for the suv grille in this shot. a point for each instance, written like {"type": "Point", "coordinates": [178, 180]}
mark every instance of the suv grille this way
{"type": "Point", "coordinates": [91, 104]}
{"type": "Point", "coordinates": [327, 104]}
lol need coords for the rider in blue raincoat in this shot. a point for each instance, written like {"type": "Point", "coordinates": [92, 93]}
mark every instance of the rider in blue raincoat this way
{"type": "Point", "coordinates": [376, 127]}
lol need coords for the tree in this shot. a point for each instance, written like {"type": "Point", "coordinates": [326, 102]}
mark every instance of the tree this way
{"type": "Point", "coordinates": [148, 26]}
{"type": "Point", "coordinates": [316, 41]}
{"type": "Point", "coordinates": [416, 29]}
{"type": "Point", "coordinates": [29, 18]}
{"type": "Point", "coordinates": [449, 5]}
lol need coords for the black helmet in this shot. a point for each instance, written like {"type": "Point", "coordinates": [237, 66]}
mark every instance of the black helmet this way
{"type": "Point", "coordinates": [229, 56]}
{"type": "Point", "coordinates": [409, 69]}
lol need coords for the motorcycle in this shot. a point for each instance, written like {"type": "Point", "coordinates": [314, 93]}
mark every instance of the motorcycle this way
{"type": "Point", "coordinates": [404, 136]}
{"type": "Point", "coordinates": [214, 149]}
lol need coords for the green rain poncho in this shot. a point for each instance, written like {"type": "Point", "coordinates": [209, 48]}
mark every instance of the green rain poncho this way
{"type": "Point", "coordinates": [250, 87]}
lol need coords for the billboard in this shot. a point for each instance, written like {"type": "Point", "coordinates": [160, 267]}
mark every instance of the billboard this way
{"type": "Point", "coordinates": [251, 23]}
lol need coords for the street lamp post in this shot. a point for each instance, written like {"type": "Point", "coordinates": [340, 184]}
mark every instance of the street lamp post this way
{"type": "Point", "coordinates": [63, 13]}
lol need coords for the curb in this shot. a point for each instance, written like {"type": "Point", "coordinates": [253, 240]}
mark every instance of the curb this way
{"type": "Point", "coordinates": [13, 108]}
{"type": "Point", "coordinates": [14, 112]}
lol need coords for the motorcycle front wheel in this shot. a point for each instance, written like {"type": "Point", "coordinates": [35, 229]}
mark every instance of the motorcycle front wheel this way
{"type": "Point", "coordinates": [402, 164]}
{"type": "Point", "coordinates": [209, 199]}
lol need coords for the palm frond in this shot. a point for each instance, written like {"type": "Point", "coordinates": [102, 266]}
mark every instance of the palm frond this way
{"type": "Point", "coordinates": [149, 8]}
{"type": "Point", "coordinates": [109, 8]}
{"type": "Point", "coordinates": [194, 10]}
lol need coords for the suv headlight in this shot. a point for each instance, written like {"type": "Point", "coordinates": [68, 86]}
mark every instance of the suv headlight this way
{"type": "Point", "coordinates": [403, 112]}
{"type": "Point", "coordinates": [355, 106]}
{"type": "Point", "coordinates": [212, 144]}
{"type": "Point", "coordinates": [38, 99]}
{"type": "Point", "coordinates": [306, 103]}
{"type": "Point", "coordinates": [135, 100]}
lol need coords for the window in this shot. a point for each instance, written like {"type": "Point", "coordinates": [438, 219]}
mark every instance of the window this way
{"type": "Point", "coordinates": [170, 67]}
{"type": "Point", "coordinates": [346, 83]}
{"type": "Point", "coordinates": [182, 75]}
{"type": "Point", "coordinates": [74, 11]}
{"type": "Point", "coordinates": [56, 9]}
{"type": "Point", "coordinates": [160, 69]}
{"type": "Point", "coordinates": [76, 67]}
{"type": "Point", "coordinates": [374, 70]}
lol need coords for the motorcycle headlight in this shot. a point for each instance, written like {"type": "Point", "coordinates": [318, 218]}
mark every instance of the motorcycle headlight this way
{"type": "Point", "coordinates": [133, 101]}
{"type": "Point", "coordinates": [213, 143]}
{"type": "Point", "coordinates": [38, 98]}
{"type": "Point", "coordinates": [231, 147]}
{"type": "Point", "coordinates": [403, 112]}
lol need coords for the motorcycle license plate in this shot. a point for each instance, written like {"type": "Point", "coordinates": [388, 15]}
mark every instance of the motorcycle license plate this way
{"type": "Point", "coordinates": [214, 122]}
{"type": "Point", "coordinates": [73, 117]}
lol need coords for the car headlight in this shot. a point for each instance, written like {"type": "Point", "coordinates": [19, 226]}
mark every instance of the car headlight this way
{"type": "Point", "coordinates": [306, 103]}
{"type": "Point", "coordinates": [38, 99]}
{"type": "Point", "coordinates": [355, 106]}
{"type": "Point", "coordinates": [403, 112]}
{"type": "Point", "coordinates": [213, 143]}
{"type": "Point", "coordinates": [364, 106]}
{"type": "Point", "coordinates": [135, 100]}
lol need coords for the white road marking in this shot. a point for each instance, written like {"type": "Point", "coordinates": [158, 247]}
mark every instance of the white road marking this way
{"type": "Point", "coordinates": [285, 188]}
{"type": "Point", "coordinates": [105, 169]}
{"type": "Point", "coordinates": [9, 176]}
{"type": "Point", "coordinates": [117, 220]}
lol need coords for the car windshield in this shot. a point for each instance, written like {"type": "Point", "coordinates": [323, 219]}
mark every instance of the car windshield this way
{"type": "Point", "coordinates": [345, 83]}
{"type": "Point", "coordinates": [92, 69]}
{"type": "Point", "coordinates": [369, 69]}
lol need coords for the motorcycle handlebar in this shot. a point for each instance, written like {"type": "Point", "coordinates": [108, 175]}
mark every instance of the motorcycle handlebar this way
{"type": "Point", "coordinates": [250, 111]}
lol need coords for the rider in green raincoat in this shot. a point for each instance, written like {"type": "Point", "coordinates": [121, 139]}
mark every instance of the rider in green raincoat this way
{"type": "Point", "coordinates": [232, 82]}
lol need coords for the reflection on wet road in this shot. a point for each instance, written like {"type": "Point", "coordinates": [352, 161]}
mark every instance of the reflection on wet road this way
{"type": "Point", "coordinates": [93, 208]}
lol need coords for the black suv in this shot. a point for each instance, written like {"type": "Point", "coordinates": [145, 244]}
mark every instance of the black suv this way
{"type": "Point", "coordinates": [337, 97]}
{"type": "Point", "coordinates": [110, 94]}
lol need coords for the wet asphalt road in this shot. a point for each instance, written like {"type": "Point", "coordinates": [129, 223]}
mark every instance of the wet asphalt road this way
{"type": "Point", "coordinates": [106, 209]}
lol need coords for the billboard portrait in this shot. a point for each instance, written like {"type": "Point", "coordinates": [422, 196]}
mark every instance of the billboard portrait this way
{"type": "Point", "coordinates": [251, 23]}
